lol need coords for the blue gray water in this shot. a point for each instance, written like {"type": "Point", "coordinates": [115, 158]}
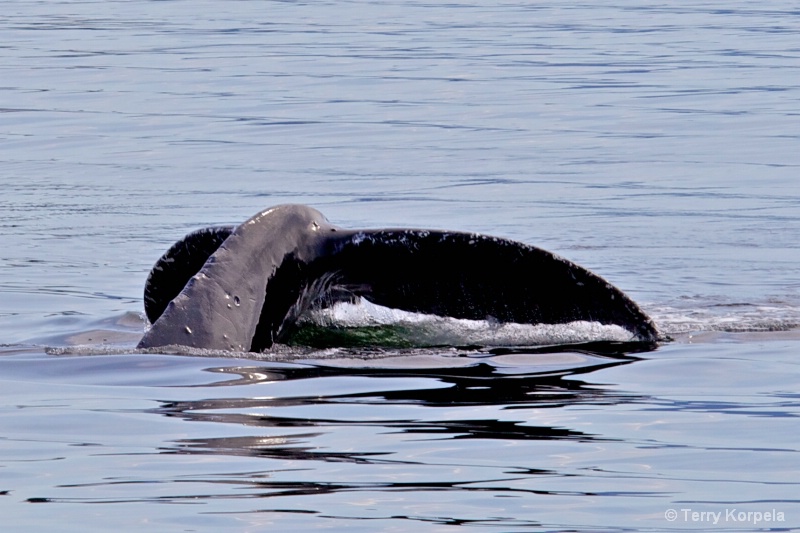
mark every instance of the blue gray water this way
{"type": "Point", "coordinates": [656, 145]}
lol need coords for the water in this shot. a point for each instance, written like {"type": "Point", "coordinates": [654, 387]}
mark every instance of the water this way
{"type": "Point", "coordinates": [656, 145]}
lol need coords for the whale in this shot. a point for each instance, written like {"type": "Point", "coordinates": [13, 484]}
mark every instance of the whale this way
{"type": "Point", "coordinates": [243, 288]}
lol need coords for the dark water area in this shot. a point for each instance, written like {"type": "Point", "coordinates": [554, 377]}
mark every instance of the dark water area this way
{"type": "Point", "coordinates": [656, 145]}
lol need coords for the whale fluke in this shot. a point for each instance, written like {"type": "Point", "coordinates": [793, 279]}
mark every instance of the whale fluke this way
{"type": "Point", "coordinates": [175, 268]}
{"type": "Point", "coordinates": [244, 288]}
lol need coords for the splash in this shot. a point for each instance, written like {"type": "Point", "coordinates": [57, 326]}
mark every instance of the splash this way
{"type": "Point", "coordinates": [730, 317]}
{"type": "Point", "coordinates": [366, 324]}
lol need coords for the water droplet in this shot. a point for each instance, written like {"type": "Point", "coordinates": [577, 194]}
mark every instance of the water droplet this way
{"type": "Point", "coordinates": [188, 330]}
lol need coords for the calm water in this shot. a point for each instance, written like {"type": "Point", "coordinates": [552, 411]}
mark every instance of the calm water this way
{"type": "Point", "coordinates": [656, 145]}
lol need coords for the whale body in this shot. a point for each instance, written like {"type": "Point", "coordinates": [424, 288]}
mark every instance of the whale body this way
{"type": "Point", "coordinates": [242, 288]}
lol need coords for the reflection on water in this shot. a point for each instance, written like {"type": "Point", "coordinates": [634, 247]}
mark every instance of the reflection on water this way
{"type": "Point", "coordinates": [472, 386]}
{"type": "Point", "coordinates": [368, 402]}
{"type": "Point", "coordinates": [518, 438]}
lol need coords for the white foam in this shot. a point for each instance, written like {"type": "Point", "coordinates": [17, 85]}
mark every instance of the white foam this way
{"type": "Point", "coordinates": [725, 317]}
{"type": "Point", "coordinates": [431, 330]}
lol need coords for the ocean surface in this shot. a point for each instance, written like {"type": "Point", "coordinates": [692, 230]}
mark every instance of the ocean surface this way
{"type": "Point", "coordinates": [656, 144]}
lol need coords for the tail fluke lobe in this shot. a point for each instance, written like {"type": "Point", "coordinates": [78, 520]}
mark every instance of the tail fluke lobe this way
{"type": "Point", "coordinates": [478, 277]}
{"type": "Point", "coordinates": [175, 268]}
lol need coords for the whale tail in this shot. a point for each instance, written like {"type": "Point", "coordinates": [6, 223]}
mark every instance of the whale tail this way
{"type": "Point", "coordinates": [175, 268]}
{"type": "Point", "coordinates": [244, 288]}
